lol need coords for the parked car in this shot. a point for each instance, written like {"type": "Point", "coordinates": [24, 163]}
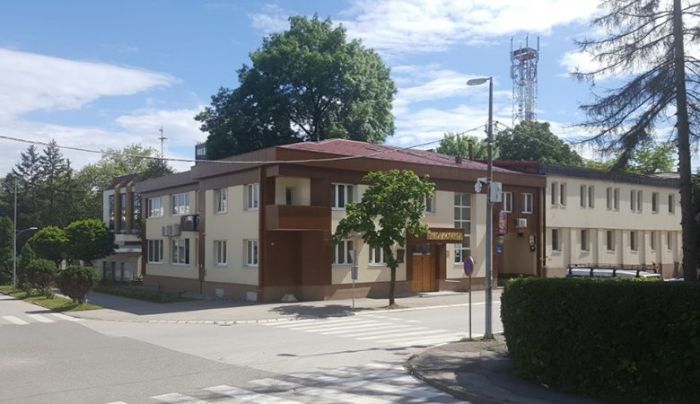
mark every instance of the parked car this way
{"type": "Point", "coordinates": [593, 272]}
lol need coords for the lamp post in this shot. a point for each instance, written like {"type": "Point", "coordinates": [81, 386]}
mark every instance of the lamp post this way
{"type": "Point", "coordinates": [488, 332]}
{"type": "Point", "coordinates": [16, 233]}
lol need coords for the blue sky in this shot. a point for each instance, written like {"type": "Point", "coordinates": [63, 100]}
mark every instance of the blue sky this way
{"type": "Point", "coordinates": [107, 74]}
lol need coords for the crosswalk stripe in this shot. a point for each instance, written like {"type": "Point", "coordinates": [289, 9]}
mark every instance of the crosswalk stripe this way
{"type": "Point", "coordinates": [116, 402]}
{"type": "Point", "coordinates": [389, 329]}
{"type": "Point", "coordinates": [302, 323]}
{"type": "Point", "coordinates": [359, 329]}
{"type": "Point", "coordinates": [15, 320]}
{"type": "Point", "coordinates": [247, 395]}
{"type": "Point", "coordinates": [403, 334]}
{"type": "Point", "coordinates": [341, 327]}
{"type": "Point", "coordinates": [275, 383]}
{"type": "Point", "coordinates": [40, 318]}
{"type": "Point", "coordinates": [64, 317]}
{"type": "Point", "coordinates": [330, 394]}
{"type": "Point", "coordinates": [433, 339]}
{"type": "Point", "coordinates": [178, 398]}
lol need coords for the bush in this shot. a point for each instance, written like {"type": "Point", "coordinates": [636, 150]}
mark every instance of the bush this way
{"type": "Point", "coordinates": [40, 275]}
{"type": "Point", "coordinates": [615, 339]}
{"type": "Point", "coordinates": [76, 282]}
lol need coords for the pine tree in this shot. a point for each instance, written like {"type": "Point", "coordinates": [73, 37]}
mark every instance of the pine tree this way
{"type": "Point", "coordinates": [27, 177]}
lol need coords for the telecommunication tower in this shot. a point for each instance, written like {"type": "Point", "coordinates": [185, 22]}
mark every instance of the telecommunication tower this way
{"type": "Point", "coordinates": [523, 71]}
{"type": "Point", "coordinates": [162, 139]}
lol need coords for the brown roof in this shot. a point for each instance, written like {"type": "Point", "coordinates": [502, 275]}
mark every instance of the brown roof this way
{"type": "Point", "coordinates": [344, 147]}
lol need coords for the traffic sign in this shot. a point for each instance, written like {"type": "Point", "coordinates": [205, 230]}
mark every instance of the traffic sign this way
{"type": "Point", "coordinates": [469, 266]}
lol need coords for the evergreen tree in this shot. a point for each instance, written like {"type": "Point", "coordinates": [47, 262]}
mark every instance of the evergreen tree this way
{"type": "Point", "coordinates": [57, 191]}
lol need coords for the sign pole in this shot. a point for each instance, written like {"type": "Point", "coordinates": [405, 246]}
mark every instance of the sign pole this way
{"type": "Point", "coordinates": [469, 270]}
{"type": "Point", "coordinates": [353, 275]}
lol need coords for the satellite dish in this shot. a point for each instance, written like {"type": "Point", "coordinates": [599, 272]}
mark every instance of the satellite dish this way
{"type": "Point", "coordinates": [477, 186]}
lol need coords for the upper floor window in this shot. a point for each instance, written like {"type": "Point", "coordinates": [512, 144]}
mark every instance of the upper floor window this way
{"type": "Point", "coordinates": [221, 200]}
{"type": "Point", "coordinates": [562, 194]}
{"type": "Point", "coordinates": [429, 204]}
{"type": "Point", "coordinates": [554, 193]}
{"type": "Point", "coordinates": [616, 199]}
{"type": "Point", "coordinates": [609, 198]}
{"type": "Point", "coordinates": [181, 204]}
{"type": "Point", "coordinates": [582, 195]}
{"type": "Point", "coordinates": [252, 196]}
{"type": "Point", "coordinates": [669, 240]}
{"type": "Point", "coordinates": [556, 246]}
{"type": "Point", "coordinates": [376, 256]}
{"type": "Point", "coordinates": [463, 215]}
{"type": "Point", "coordinates": [671, 203]}
{"type": "Point", "coordinates": [180, 251]}
{"type": "Point", "coordinates": [112, 213]}
{"type": "Point", "coordinates": [652, 240]}
{"type": "Point", "coordinates": [527, 203]}
{"type": "Point", "coordinates": [343, 253]}
{"type": "Point", "coordinates": [155, 207]}
{"type": "Point", "coordinates": [341, 195]}
{"type": "Point", "coordinates": [591, 196]}
{"type": "Point", "coordinates": [635, 201]}
{"type": "Point", "coordinates": [251, 253]}
{"type": "Point", "coordinates": [221, 252]}
{"type": "Point", "coordinates": [655, 202]}
{"type": "Point", "coordinates": [507, 201]}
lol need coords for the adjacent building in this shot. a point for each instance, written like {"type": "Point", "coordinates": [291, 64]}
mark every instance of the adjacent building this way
{"type": "Point", "coordinates": [603, 218]}
{"type": "Point", "coordinates": [121, 212]}
{"type": "Point", "coordinates": [258, 226]}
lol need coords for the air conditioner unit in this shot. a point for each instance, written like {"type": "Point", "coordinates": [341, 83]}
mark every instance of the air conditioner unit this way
{"type": "Point", "coordinates": [167, 231]}
{"type": "Point", "coordinates": [522, 223]}
{"type": "Point", "coordinates": [175, 230]}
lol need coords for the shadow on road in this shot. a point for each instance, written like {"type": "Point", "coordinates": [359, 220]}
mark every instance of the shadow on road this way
{"type": "Point", "coordinates": [305, 311]}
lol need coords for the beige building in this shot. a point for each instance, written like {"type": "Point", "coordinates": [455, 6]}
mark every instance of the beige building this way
{"type": "Point", "coordinates": [609, 219]}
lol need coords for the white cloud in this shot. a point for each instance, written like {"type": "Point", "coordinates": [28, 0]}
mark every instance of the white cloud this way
{"type": "Point", "coordinates": [416, 26]}
{"type": "Point", "coordinates": [178, 125]}
{"type": "Point", "coordinates": [273, 18]}
{"type": "Point", "coordinates": [33, 82]}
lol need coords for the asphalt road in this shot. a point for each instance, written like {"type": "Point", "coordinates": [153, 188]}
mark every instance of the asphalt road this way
{"type": "Point", "coordinates": [354, 359]}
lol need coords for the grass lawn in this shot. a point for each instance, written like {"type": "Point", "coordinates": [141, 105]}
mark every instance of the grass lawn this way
{"type": "Point", "coordinates": [56, 303]}
{"type": "Point", "coordinates": [134, 292]}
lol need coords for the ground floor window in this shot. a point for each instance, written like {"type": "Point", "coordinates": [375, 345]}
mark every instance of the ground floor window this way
{"type": "Point", "coordinates": [555, 240]}
{"type": "Point", "coordinates": [155, 251]}
{"type": "Point", "coordinates": [221, 252]}
{"type": "Point", "coordinates": [343, 252]}
{"type": "Point", "coordinates": [633, 241]}
{"type": "Point", "coordinates": [610, 240]}
{"type": "Point", "coordinates": [181, 251]}
{"type": "Point", "coordinates": [251, 253]}
{"type": "Point", "coordinates": [584, 240]}
{"type": "Point", "coordinates": [376, 256]}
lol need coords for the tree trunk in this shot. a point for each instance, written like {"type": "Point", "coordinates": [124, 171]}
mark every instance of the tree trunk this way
{"type": "Point", "coordinates": [690, 258]}
{"type": "Point", "coordinates": [392, 286]}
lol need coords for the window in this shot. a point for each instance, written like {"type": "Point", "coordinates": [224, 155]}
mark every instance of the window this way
{"type": "Point", "coordinates": [341, 195]}
{"type": "Point", "coordinates": [527, 203]}
{"type": "Point", "coordinates": [343, 253]}
{"type": "Point", "coordinates": [181, 251]}
{"type": "Point", "coordinates": [507, 201]}
{"type": "Point", "coordinates": [376, 256]}
{"type": "Point", "coordinates": [562, 194]}
{"type": "Point", "coordinates": [155, 207]}
{"type": "Point", "coordinates": [555, 193]}
{"type": "Point", "coordinates": [609, 198]}
{"type": "Point", "coordinates": [252, 196]}
{"type": "Point", "coordinates": [633, 240]}
{"type": "Point", "coordinates": [584, 240]}
{"type": "Point", "coordinates": [671, 203]}
{"type": "Point", "coordinates": [181, 204]}
{"type": "Point", "coordinates": [583, 195]}
{"type": "Point", "coordinates": [652, 240]}
{"type": "Point", "coordinates": [616, 199]}
{"type": "Point", "coordinates": [633, 200]}
{"type": "Point", "coordinates": [610, 240]}
{"type": "Point", "coordinates": [289, 196]}
{"type": "Point", "coordinates": [155, 251]}
{"type": "Point", "coordinates": [555, 240]}
{"type": "Point", "coordinates": [221, 252]}
{"type": "Point", "coordinates": [463, 220]}
{"type": "Point", "coordinates": [112, 213]}
{"type": "Point", "coordinates": [669, 240]}
{"type": "Point", "coordinates": [430, 204]}
{"type": "Point", "coordinates": [655, 202]}
{"type": "Point", "coordinates": [251, 253]}
{"type": "Point", "coordinates": [221, 200]}
{"type": "Point", "coordinates": [591, 196]}
{"type": "Point", "coordinates": [135, 211]}
{"type": "Point", "coordinates": [639, 201]}
{"type": "Point", "coordinates": [122, 211]}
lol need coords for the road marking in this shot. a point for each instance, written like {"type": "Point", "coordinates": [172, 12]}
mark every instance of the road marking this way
{"type": "Point", "coordinates": [247, 395]}
{"type": "Point", "coordinates": [64, 317]}
{"type": "Point", "coordinates": [361, 332]}
{"type": "Point", "coordinates": [15, 320]}
{"type": "Point", "coordinates": [346, 326]}
{"type": "Point", "coordinates": [428, 340]}
{"type": "Point", "coordinates": [384, 330]}
{"type": "Point", "coordinates": [276, 383]}
{"type": "Point", "coordinates": [319, 323]}
{"type": "Point", "coordinates": [40, 318]}
{"type": "Point", "coordinates": [403, 334]}
{"type": "Point", "coordinates": [178, 398]}
{"type": "Point", "coordinates": [117, 402]}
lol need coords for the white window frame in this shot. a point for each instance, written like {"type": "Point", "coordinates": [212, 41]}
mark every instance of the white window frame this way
{"type": "Point", "coordinates": [508, 202]}
{"type": "Point", "coordinates": [669, 241]}
{"type": "Point", "coordinates": [180, 207]}
{"type": "Point", "coordinates": [178, 256]}
{"type": "Point", "coordinates": [582, 196]}
{"type": "Point", "coordinates": [252, 196]}
{"type": "Point", "coordinates": [342, 253]}
{"type": "Point", "coordinates": [585, 240]}
{"type": "Point", "coordinates": [609, 198]}
{"type": "Point", "coordinates": [528, 203]}
{"type": "Point", "coordinates": [221, 200]}
{"type": "Point", "coordinates": [633, 200]}
{"type": "Point", "coordinates": [464, 204]}
{"type": "Point", "coordinates": [610, 240]}
{"type": "Point", "coordinates": [556, 247]}
{"type": "Point", "coordinates": [221, 252]}
{"type": "Point", "coordinates": [554, 194]}
{"type": "Point", "coordinates": [348, 195]}
{"type": "Point", "coordinates": [373, 256]}
{"type": "Point", "coordinates": [652, 241]}
{"type": "Point", "coordinates": [155, 209]}
{"type": "Point", "coordinates": [616, 199]}
{"type": "Point", "coordinates": [252, 253]}
{"type": "Point", "coordinates": [429, 203]}
{"type": "Point", "coordinates": [155, 251]}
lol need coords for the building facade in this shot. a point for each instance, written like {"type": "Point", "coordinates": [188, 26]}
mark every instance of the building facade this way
{"type": "Point", "coordinates": [615, 219]}
{"type": "Point", "coordinates": [259, 225]}
{"type": "Point", "coordinates": [121, 212]}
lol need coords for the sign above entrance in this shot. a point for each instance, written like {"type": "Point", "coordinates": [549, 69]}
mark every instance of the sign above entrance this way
{"type": "Point", "coordinates": [445, 235]}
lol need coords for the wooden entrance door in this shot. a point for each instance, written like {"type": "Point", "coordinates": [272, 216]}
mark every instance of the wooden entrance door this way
{"type": "Point", "coordinates": [424, 271]}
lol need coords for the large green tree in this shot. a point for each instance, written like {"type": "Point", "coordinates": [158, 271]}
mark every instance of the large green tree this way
{"type": "Point", "coordinates": [58, 195]}
{"type": "Point", "coordinates": [391, 209]}
{"type": "Point", "coordinates": [89, 239]}
{"type": "Point", "coordinates": [307, 83]}
{"type": "Point", "coordinates": [535, 141]}
{"type": "Point", "coordinates": [26, 178]}
{"type": "Point", "coordinates": [6, 250]}
{"type": "Point", "coordinates": [455, 144]}
{"type": "Point", "coordinates": [646, 42]}
{"type": "Point", "coordinates": [50, 243]}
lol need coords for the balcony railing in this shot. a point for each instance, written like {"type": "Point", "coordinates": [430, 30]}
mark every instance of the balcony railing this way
{"type": "Point", "coordinates": [295, 217]}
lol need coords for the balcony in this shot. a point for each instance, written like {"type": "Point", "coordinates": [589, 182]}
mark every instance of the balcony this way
{"type": "Point", "coordinates": [297, 217]}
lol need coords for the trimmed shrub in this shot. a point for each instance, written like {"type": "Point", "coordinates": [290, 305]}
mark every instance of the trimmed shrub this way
{"type": "Point", "coordinates": [40, 276]}
{"type": "Point", "coordinates": [614, 339]}
{"type": "Point", "coordinates": [75, 282]}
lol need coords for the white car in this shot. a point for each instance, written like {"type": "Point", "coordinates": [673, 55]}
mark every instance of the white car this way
{"type": "Point", "coordinates": [579, 272]}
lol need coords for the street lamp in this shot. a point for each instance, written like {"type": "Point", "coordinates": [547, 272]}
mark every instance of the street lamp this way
{"type": "Point", "coordinates": [488, 333]}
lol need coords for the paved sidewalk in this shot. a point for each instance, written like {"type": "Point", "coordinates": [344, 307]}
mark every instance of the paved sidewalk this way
{"type": "Point", "coordinates": [227, 312]}
{"type": "Point", "coordinates": [480, 372]}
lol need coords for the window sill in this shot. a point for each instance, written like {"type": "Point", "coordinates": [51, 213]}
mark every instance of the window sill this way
{"type": "Point", "coordinates": [341, 265]}
{"type": "Point", "coordinates": [221, 265]}
{"type": "Point", "coordinates": [525, 213]}
{"type": "Point", "coordinates": [251, 209]}
{"type": "Point", "coordinates": [155, 263]}
{"type": "Point", "coordinates": [221, 213]}
{"type": "Point", "coordinates": [338, 209]}
{"type": "Point", "coordinates": [249, 266]}
{"type": "Point", "coordinates": [180, 265]}
{"type": "Point", "coordinates": [380, 265]}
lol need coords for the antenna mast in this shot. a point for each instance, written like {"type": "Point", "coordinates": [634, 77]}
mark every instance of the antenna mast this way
{"type": "Point", "coordinates": [162, 140]}
{"type": "Point", "coordinates": [523, 71]}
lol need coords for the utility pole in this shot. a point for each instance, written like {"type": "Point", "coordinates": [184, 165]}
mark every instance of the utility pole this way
{"type": "Point", "coordinates": [162, 140]}
{"type": "Point", "coordinates": [14, 242]}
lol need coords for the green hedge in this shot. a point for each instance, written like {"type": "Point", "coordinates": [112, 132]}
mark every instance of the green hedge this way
{"type": "Point", "coordinates": [613, 339]}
